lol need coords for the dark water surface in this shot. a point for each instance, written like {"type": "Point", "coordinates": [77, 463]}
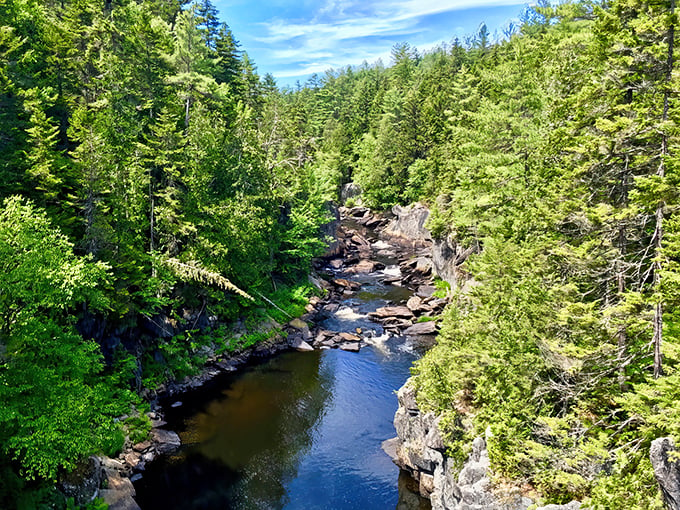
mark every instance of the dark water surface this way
{"type": "Point", "coordinates": [301, 431]}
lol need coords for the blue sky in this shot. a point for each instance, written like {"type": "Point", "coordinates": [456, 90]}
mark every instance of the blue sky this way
{"type": "Point", "coordinates": [292, 39]}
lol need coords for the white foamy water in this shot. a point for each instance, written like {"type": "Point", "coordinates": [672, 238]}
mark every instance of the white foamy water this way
{"type": "Point", "coordinates": [381, 245]}
{"type": "Point", "coordinates": [392, 270]}
{"type": "Point", "coordinates": [348, 314]}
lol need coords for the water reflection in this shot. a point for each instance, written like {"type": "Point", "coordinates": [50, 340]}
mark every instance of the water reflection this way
{"type": "Point", "coordinates": [245, 443]}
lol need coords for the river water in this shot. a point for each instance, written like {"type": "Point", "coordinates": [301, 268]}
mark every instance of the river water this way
{"type": "Point", "coordinates": [300, 431]}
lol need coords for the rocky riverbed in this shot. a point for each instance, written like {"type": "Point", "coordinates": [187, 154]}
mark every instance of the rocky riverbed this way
{"type": "Point", "coordinates": [362, 248]}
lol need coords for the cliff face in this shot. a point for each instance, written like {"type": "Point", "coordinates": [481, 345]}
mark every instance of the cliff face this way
{"type": "Point", "coordinates": [409, 228]}
{"type": "Point", "coordinates": [419, 449]}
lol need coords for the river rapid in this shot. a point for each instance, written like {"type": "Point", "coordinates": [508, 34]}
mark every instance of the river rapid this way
{"type": "Point", "coordinates": [302, 430]}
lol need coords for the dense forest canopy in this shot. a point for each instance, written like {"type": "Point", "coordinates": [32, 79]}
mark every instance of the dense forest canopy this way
{"type": "Point", "coordinates": [147, 168]}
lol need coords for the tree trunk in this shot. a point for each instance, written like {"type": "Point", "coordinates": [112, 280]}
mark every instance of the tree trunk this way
{"type": "Point", "coordinates": [658, 232]}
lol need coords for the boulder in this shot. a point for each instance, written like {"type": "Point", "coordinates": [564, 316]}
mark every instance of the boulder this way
{"type": "Point", "coordinates": [437, 304]}
{"type": "Point", "coordinates": [422, 265]}
{"type": "Point", "coordinates": [375, 222]}
{"type": "Point", "coordinates": [298, 324]}
{"type": "Point", "coordinates": [392, 311]}
{"type": "Point", "coordinates": [112, 464]}
{"type": "Point", "coordinates": [366, 266]}
{"type": "Point", "coordinates": [346, 284]}
{"type": "Point", "coordinates": [132, 459]}
{"type": "Point", "coordinates": [425, 291]}
{"type": "Point", "coordinates": [409, 225]}
{"type": "Point", "coordinates": [82, 484]}
{"type": "Point", "coordinates": [396, 322]}
{"type": "Point", "coordinates": [166, 441]}
{"type": "Point", "coordinates": [357, 212]}
{"type": "Point", "coordinates": [381, 245]}
{"type": "Point", "coordinates": [359, 240]}
{"type": "Point", "coordinates": [414, 303]}
{"type": "Point", "coordinates": [349, 337]}
{"type": "Point", "coordinates": [299, 344]}
{"type": "Point", "coordinates": [331, 307]}
{"type": "Point", "coordinates": [349, 190]}
{"type": "Point", "coordinates": [422, 328]}
{"type": "Point", "coordinates": [142, 447]}
{"type": "Point", "coordinates": [350, 346]}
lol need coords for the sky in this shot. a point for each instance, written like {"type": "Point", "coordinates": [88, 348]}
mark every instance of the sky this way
{"type": "Point", "coordinates": [293, 39]}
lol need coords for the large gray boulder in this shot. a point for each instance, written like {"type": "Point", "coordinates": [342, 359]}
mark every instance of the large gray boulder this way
{"type": "Point", "coordinates": [349, 190]}
{"type": "Point", "coordinates": [330, 231]}
{"type": "Point", "coordinates": [666, 470]}
{"type": "Point", "coordinates": [408, 226]}
{"type": "Point", "coordinates": [447, 257]}
{"type": "Point", "coordinates": [82, 484]}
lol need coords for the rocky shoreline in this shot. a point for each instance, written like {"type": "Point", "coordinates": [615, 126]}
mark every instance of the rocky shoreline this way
{"type": "Point", "coordinates": [420, 450]}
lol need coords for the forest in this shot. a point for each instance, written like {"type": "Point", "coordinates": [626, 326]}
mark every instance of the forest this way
{"type": "Point", "coordinates": [146, 168]}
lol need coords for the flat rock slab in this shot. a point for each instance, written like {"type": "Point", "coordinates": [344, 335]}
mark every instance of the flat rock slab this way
{"type": "Point", "coordinates": [350, 346]}
{"type": "Point", "coordinates": [166, 441]}
{"type": "Point", "coordinates": [347, 284]}
{"type": "Point", "coordinates": [422, 328]}
{"type": "Point", "coordinates": [142, 447]}
{"type": "Point", "coordinates": [382, 245]}
{"type": "Point", "coordinates": [396, 322]}
{"type": "Point", "coordinates": [426, 291]}
{"type": "Point", "coordinates": [389, 446]}
{"type": "Point", "coordinates": [366, 266]}
{"type": "Point", "coordinates": [118, 501]}
{"type": "Point", "coordinates": [392, 311]}
{"type": "Point", "coordinates": [349, 337]}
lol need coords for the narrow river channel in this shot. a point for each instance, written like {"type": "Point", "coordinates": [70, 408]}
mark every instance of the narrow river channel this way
{"type": "Point", "coordinates": [300, 431]}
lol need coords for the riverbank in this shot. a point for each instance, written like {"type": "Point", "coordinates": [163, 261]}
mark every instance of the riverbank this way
{"type": "Point", "coordinates": [360, 251]}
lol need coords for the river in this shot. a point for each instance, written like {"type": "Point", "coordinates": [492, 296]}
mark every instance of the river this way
{"type": "Point", "coordinates": [300, 431]}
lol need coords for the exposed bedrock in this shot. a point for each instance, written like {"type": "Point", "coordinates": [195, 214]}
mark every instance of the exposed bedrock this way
{"type": "Point", "coordinates": [419, 449]}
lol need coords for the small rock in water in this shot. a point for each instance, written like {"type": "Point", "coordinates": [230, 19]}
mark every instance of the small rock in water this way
{"type": "Point", "coordinates": [176, 404]}
{"type": "Point", "coordinates": [350, 346]}
{"type": "Point", "coordinates": [135, 477]}
{"type": "Point", "coordinates": [331, 307]}
{"type": "Point", "coordinates": [166, 440]}
{"type": "Point", "coordinates": [392, 311]}
{"type": "Point", "coordinates": [349, 337]}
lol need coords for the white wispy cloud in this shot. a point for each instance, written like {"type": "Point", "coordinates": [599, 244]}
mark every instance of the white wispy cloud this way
{"type": "Point", "coordinates": [342, 32]}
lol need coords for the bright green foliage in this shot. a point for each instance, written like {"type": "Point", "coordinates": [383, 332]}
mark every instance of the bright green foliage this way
{"type": "Point", "coordinates": [51, 414]}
